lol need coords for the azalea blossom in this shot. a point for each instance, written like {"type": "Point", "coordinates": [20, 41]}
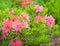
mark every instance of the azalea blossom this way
{"type": "Point", "coordinates": [16, 26]}
{"type": "Point", "coordinates": [24, 24]}
{"type": "Point", "coordinates": [24, 15]}
{"type": "Point", "coordinates": [38, 8]}
{"type": "Point", "coordinates": [14, 23]}
{"type": "Point", "coordinates": [38, 18]}
{"type": "Point", "coordinates": [6, 25]}
{"type": "Point", "coordinates": [12, 43]}
{"type": "Point", "coordinates": [25, 3]}
{"type": "Point", "coordinates": [49, 20]}
{"type": "Point", "coordinates": [19, 25]}
{"type": "Point", "coordinates": [12, 19]}
{"type": "Point", "coordinates": [16, 42]}
{"type": "Point", "coordinates": [17, 18]}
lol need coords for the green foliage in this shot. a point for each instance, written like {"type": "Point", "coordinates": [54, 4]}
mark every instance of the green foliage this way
{"type": "Point", "coordinates": [56, 31]}
{"type": "Point", "coordinates": [54, 34]}
{"type": "Point", "coordinates": [4, 4]}
{"type": "Point", "coordinates": [58, 43]}
{"type": "Point", "coordinates": [29, 9]}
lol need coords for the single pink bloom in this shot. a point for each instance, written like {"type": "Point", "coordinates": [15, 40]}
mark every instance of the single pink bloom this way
{"type": "Point", "coordinates": [25, 3]}
{"type": "Point", "coordinates": [38, 8]}
{"type": "Point", "coordinates": [15, 23]}
{"type": "Point", "coordinates": [4, 32]}
{"type": "Point", "coordinates": [18, 18]}
{"type": "Point", "coordinates": [24, 24]}
{"type": "Point", "coordinates": [16, 42]}
{"type": "Point", "coordinates": [6, 24]}
{"type": "Point", "coordinates": [12, 19]}
{"type": "Point", "coordinates": [38, 18]}
{"type": "Point", "coordinates": [49, 20]}
{"type": "Point", "coordinates": [24, 15]}
{"type": "Point", "coordinates": [16, 26]}
{"type": "Point", "coordinates": [12, 43]}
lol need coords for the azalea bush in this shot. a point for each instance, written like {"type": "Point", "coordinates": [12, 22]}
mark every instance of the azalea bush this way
{"type": "Point", "coordinates": [51, 6]}
{"type": "Point", "coordinates": [26, 23]}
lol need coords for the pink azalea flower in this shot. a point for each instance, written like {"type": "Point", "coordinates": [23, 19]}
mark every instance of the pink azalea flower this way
{"type": "Point", "coordinates": [16, 26]}
{"type": "Point", "coordinates": [38, 8]}
{"type": "Point", "coordinates": [37, 18]}
{"type": "Point", "coordinates": [6, 27]}
{"type": "Point", "coordinates": [24, 24]}
{"type": "Point", "coordinates": [12, 43]}
{"type": "Point", "coordinates": [12, 19]}
{"type": "Point", "coordinates": [25, 3]}
{"type": "Point", "coordinates": [49, 20]}
{"type": "Point", "coordinates": [23, 15]}
{"type": "Point", "coordinates": [17, 18]}
{"type": "Point", "coordinates": [15, 23]}
{"type": "Point", "coordinates": [17, 42]}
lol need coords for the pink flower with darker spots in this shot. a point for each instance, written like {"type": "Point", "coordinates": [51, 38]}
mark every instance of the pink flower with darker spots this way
{"type": "Point", "coordinates": [18, 42]}
{"type": "Point", "coordinates": [12, 43]}
{"type": "Point", "coordinates": [16, 26]}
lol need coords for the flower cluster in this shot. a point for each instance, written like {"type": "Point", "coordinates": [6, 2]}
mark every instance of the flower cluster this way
{"type": "Point", "coordinates": [15, 24]}
{"type": "Point", "coordinates": [49, 20]}
{"type": "Point", "coordinates": [16, 42]}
